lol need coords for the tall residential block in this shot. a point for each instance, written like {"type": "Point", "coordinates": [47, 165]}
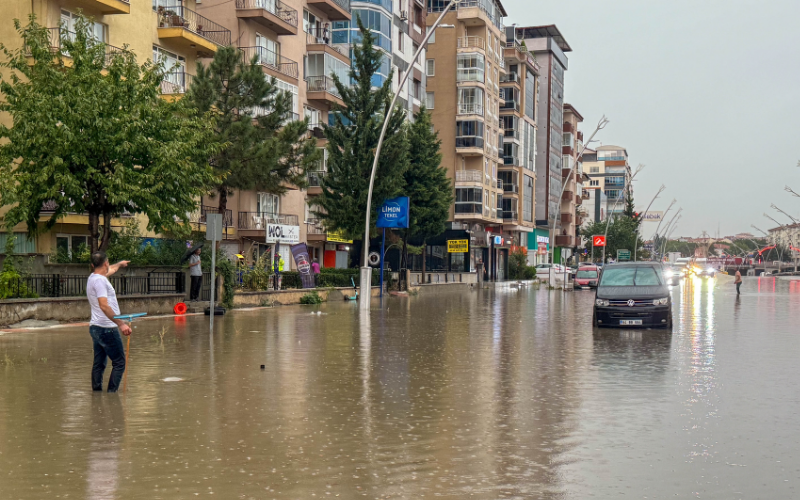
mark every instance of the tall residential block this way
{"type": "Point", "coordinates": [465, 64]}
{"type": "Point", "coordinates": [572, 179]}
{"type": "Point", "coordinates": [609, 173]}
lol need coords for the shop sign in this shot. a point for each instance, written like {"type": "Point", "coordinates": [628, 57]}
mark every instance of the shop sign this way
{"type": "Point", "coordinates": [542, 250]}
{"type": "Point", "coordinates": [337, 237]}
{"type": "Point", "coordinates": [543, 239]}
{"type": "Point", "coordinates": [393, 213]}
{"type": "Point", "coordinates": [457, 246]}
{"type": "Point", "coordinates": [279, 233]}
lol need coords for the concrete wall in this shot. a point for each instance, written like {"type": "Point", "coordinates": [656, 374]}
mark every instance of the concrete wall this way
{"type": "Point", "coordinates": [77, 308]}
{"type": "Point", "coordinates": [287, 297]}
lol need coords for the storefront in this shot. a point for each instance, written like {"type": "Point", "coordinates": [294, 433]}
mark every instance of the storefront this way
{"type": "Point", "coordinates": [336, 252]}
{"type": "Point", "coordinates": [538, 246]}
{"type": "Point", "coordinates": [281, 237]}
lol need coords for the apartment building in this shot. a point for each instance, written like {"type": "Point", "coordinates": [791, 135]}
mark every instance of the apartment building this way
{"type": "Point", "coordinates": [595, 199]}
{"type": "Point", "coordinates": [549, 47]}
{"type": "Point", "coordinates": [464, 66]}
{"type": "Point", "coordinates": [610, 173]}
{"type": "Point", "coordinates": [518, 106]}
{"type": "Point", "coordinates": [159, 29]}
{"type": "Point", "coordinates": [572, 178]}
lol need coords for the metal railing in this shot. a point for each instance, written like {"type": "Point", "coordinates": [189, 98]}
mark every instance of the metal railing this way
{"type": "Point", "coordinates": [469, 142]}
{"type": "Point", "coordinates": [322, 84]}
{"type": "Point", "coordinates": [181, 17]}
{"type": "Point", "coordinates": [511, 188]}
{"type": "Point", "coordinates": [270, 59]}
{"type": "Point", "coordinates": [176, 82]}
{"type": "Point", "coordinates": [512, 77]}
{"type": "Point", "coordinates": [276, 7]}
{"type": "Point", "coordinates": [469, 75]}
{"type": "Point", "coordinates": [510, 215]}
{"type": "Point", "coordinates": [51, 206]}
{"type": "Point", "coordinates": [55, 35]}
{"type": "Point", "coordinates": [469, 176]}
{"type": "Point", "coordinates": [259, 221]}
{"type": "Point", "coordinates": [345, 4]}
{"type": "Point", "coordinates": [62, 285]}
{"type": "Point", "coordinates": [201, 216]}
{"type": "Point", "coordinates": [511, 132]}
{"type": "Point", "coordinates": [315, 178]}
{"type": "Point", "coordinates": [466, 42]}
{"type": "Point", "coordinates": [470, 108]}
{"type": "Point", "coordinates": [314, 226]}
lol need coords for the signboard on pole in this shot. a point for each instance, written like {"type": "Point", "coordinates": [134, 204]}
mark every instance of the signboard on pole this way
{"type": "Point", "coordinates": [279, 233]}
{"type": "Point", "coordinates": [652, 216]}
{"type": "Point", "coordinates": [457, 246]}
{"type": "Point", "coordinates": [542, 249]}
{"type": "Point", "coordinates": [393, 213]}
{"type": "Point", "coordinates": [623, 255]}
{"type": "Point", "coordinates": [214, 227]}
{"type": "Point", "coordinates": [599, 240]}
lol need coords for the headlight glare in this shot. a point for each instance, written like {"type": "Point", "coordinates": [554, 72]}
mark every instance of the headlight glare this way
{"type": "Point", "coordinates": [664, 301]}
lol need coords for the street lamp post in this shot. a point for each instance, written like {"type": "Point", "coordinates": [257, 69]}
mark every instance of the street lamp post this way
{"type": "Point", "coordinates": [636, 233]}
{"type": "Point", "coordinates": [666, 230]}
{"type": "Point", "coordinates": [600, 126]}
{"type": "Point", "coordinates": [366, 271]}
{"type": "Point", "coordinates": [664, 216]}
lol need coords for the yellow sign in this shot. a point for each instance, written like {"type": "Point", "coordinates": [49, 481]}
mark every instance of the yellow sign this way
{"type": "Point", "coordinates": [337, 237]}
{"type": "Point", "coordinates": [457, 246]}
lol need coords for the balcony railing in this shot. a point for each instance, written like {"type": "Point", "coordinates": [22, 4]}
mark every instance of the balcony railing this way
{"type": "Point", "coordinates": [52, 205]}
{"type": "Point", "coordinates": [510, 188]}
{"type": "Point", "coordinates": [470, 108]}
{"type": "Point", "coordinates": [270, 59]}
{"type": "Point", "coordinates": [567, 196]}
{"type": "Point", "coordinates": [276, 7]}
{"type": "Point", "coordinates": [314, 226]}
{"type": "Point", "coordinates": [506, 105]}
{"type": "Point", "coordinates": [510, 78]}
{"type": "Point", "coordinates": [469, 142]}
{"type": "Point", "coordinates": [512, 133]}
{"type": "Point", "coordinates": [469, 75]}
{"type": "Point", "coordinates": [469, 176]}
{"type": "Point", "coordinates": [322, 84]}
{"type": "Point", "coordinates": [469, 208]}
{"type": "Point", "coordinates": [176, 82]}
{"type": "Point", "coordinates": [201, 216]}
{"type": "Point", "coordinates": [566, 218]}
{"type": "Point", "coordinates": [55, 36]}
{"type": "Point", "coordinates": [258, 221]}
{"type": "Point", "coordinates": [315, 178]}
{"type": "Point", "coordinates": [467, 42]}
{"type": "Point", "coordinates": [512, 160]}
{"type": "Point", "coordinates": [181, 17]}
{"type": "Point", "coordinates": [510, 215]}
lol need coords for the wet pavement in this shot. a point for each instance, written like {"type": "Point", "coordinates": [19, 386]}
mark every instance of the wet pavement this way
{"type": "Point", "coordinates": [505, 393]}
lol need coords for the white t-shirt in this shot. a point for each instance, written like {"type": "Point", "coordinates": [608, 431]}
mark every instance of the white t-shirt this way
{"type": "Point", "coordinates": [98, 286]}
{"type": "Point", "coordinates": [195, 270]}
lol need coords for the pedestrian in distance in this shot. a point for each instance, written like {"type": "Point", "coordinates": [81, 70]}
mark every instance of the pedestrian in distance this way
{"type": "Point", "coordinates": [278, 269]}
{"type": "Point", "coordinates": [196, 273]}
{"type": "Point", "coordinates": [737, 280]}
{"type": "Point", "coordinates": [104, 329]}
{"type": "Point", "coordinates": [315, 270]}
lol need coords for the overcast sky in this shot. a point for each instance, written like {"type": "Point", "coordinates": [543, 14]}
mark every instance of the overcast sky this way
{"type": "Point", "coordinates": [705, 93]}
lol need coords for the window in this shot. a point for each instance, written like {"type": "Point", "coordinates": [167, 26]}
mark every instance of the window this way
{"type": "Point", "coordinates": [432, 38]}
{"type": "Point", "coordinates": [268, 51]}
{"type": "Point", "coordinates": [509, 98]}
{"type": "Point", "coordinates": [470, 68]}
{"type": "Point", "coordinates": [594, 183]}
{"type": "Point", "coordinates": [630, 276]}
{"type": "Point", "coordinates": [429, 102]}
{"type": "Point", "coordinates": [267, 204]}
{"type": "Point", "coordinates": [69, 244]}
{"type": "Point", "coordinates": [314, 117]}
{"type": "Point", "coordinates": [174, 80]}
{"type": "Point", "coordinates": [98, 31]}
{"type": "Point", "coordinates": [291, 89]}
{"type": "Point", "coordinates": [594, 170]}
{"type": "Point", "coordinates": [612, 194]}
{"type": "Point", "coordinates": [468, 200]}
{"type": "Point", "coordinates": [311, 24]}
{"type": "Point", "coordinates": [414, 47]}
{"type": "Point", "coordinates": [400, 40]}
{"type": "Point", "coordinates": [470, 101]}
{"type": "Point", "coordinates": [319, 64]}
{"type": "Point", "coordinates": [469, 134]}
{"type": "Point", "coordinates": [527, 199]}
{"type": "Point", "coordinates": [416, 89]}
{"type": "Point", "coordinates": [22, 243]}
{"type": "Point", "coordinates": [430, 67]}
{"type": "Point", "coordinates": [615, 181]}
{"type": "Point", "coordinates": [530, 95]}
{"type": "Point", "coordinates": [567, 139]}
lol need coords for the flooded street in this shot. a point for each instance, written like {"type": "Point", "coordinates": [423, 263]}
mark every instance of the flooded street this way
{"type": "Point", "coordinates": [455, 394]}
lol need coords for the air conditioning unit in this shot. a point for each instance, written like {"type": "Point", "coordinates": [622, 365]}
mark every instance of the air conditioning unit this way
{"type": "Point", "coordinates": [404, 15]}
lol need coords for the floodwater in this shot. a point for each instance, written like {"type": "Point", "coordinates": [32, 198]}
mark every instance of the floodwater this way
{"type": "Point", "coordinates": [488, 394]}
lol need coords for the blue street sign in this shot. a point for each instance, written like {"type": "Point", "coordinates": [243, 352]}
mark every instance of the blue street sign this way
{"type": "Point", "coordinates": [394, 213]}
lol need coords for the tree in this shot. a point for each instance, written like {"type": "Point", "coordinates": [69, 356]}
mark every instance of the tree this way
{"type": "Point", "coordinates": [91, 135]}
{"type": "Point", "coordinates": [621, 236]}
{"type": "Point", "coordinates": [352, 140]}
{"type": "Point", "coordinates": [427, 185]}
{"type": "Point", "coordinates": [258, 148]}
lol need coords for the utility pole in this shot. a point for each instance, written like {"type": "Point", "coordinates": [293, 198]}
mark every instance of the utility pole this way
{"type": "Point", "coordinates": [636, 233]}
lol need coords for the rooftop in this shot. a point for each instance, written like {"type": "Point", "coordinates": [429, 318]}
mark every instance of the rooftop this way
{"type": "Point", "coordinates": [571, 109]}
{"type": "Point", "coordinates": [550, 31]}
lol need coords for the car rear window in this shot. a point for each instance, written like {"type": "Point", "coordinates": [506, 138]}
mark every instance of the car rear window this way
{"type": "Point", "coordinates": [630, 276]}
{"type": "Point", "coordinates": [586, 274]}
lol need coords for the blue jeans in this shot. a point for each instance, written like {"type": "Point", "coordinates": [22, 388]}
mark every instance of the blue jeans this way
{"type": "Point", "coordinates": [107, 344]}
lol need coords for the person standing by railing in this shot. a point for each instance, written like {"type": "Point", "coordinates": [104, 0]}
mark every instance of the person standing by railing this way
{"type": "Point", "coordinates": [196, 273]}
{"type": "Point", "coordinates": [104, 329]}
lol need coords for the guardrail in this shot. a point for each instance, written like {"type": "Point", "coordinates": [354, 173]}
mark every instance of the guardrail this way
{"type": "Point", "coordinates": [61, 285]}
{"type": "Point", "coordinates": [179, 16]}
{"type": "Point", "coordinates": [322, 84]}
{"type": "Point", "coordinates": [276, 7]}
{"type": "Point", "coordinates": [270, 59]}
{"type": "Point", "coordinates": [176, 82]}
{"type": "Point", "coordinates": [475, 108]}
{"type": "Point", "coordinates": [466, 42]}
{"type": "Point", "coordinates": [259, 221]}
{"type": "Point", "coordinates": [315, 177]}
{"type": "Point", "coordinates": [469, 176]}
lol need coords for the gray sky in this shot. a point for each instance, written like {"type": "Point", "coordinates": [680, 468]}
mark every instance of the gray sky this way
{"type": "Point", "coordinates": [705, 93]}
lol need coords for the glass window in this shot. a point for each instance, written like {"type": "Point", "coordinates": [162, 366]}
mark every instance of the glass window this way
{"type": "Point", "coordinates": [430, 67]}
{"type": "Point", "coordinates": [530, 95]}
{"type": "Point", "coordinates": [429, 102]}
{"type": "Point", "coordinates": [432, 38]}
{"type": "Point", "coordinates": [586, 275]}
{"type": "Point", "coordinates": [470, 68]}
{"type": "Point", "coordinates": [594, 170]}
{"type": "Point", "coordinates": [527, 199]}
{"type": "Point", "coordinates": [630, 276]}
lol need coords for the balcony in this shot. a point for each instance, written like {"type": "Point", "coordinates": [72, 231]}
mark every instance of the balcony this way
{"type": "Point", "coordinates": [315, 182]}
{"type": "Point", "coordinates": [315, 231]}
{"type": "Point", "coordinates": [469, 177]}
{"type": "Point", "coordinates": [565, 240]}
{"type": "Point", "coordinates": [336, 10]}
{"type": "Point", "coordinates": [175, 84]}
{"type": "Point", "coordinates": [568, 127]}
{"type": "Point", "coordinates": [55, 36]}
{"type": "Point", "coordinates": [512, 161]}
{"type": "Point", "coordinates": [499, 184]}
{"type": "Point", "coordinates": [510, 188]}
{"type": "Point", "coordinates": [510, 216]}
{"type": "Point", "coordinates": [471, 108]}
{"type": "Point", "coordinates": [271, 14]}
{"type": "Point", "coordinates": [255, 221]}
{"type": "Point", "coordinates": [469, 145]}
{"type": "Point", "coordinates": [471, 42]}
{"type": "Point", "coordinates": [72, 217]}
{"type": "Point", "coordinates": [322, 91]}
{"type": "Point", "coordinates": [471, 211]}
{"type": "Point", "coordinates": [185, 30]}
{"type": "Point", "coordinates": [578, 199]}
{"type": "Point", "coordinates": [567, 196]}
{"type": "Point", "coordinates": [464, 75]}
{"type": "Point", "coordinates": [567, 218]}
{"type": "Point", "coordinates": [509, 105]}
{"type": "Point", "coordinates": [103, 7]}
{"type": "Point", "coordinates": [510, 78]}
{"type": "Point", "coordinates": [511, 133]}
{"type": "Point", "coordinates": [274, 64]}
{"type": "Point", "coordinates": [201, 216]}
{"type": "Point", "coordinates": [316, 42]}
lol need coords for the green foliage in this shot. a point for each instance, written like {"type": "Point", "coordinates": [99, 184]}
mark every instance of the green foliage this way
{"type": "Point", "coordinates": [94, 136]}
{"type": "Point", "coordinates": [311, 298]}
{"type": "Point", "coordinates": [227, 271]}
{"type": "Point", "coordinates": [352, 142]}
{"type": "Point", "coordinates": [256, 149]}
{"type": "Point", "coordinates": [518, 268]}
{"type": "Point", "coordinates": [427, 185]}
{"type": "Point", "coordinates": [621, 235]}
{"type": "Point", "coordinates": [11, 284]}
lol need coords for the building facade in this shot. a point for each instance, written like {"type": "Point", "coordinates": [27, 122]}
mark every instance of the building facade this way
{"type": "Point", "coordinates": [608, 170]}
{"type": "Point", "coordinates": [572, 178]}
{"type": "Point", "coordinates": [465, 65]}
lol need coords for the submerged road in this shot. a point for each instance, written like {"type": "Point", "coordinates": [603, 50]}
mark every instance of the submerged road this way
{"type": "Point", "coordinates": [473, 394]}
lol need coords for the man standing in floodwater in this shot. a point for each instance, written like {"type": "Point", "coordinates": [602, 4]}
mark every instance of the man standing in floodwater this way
{"type": "Point", "coordinates": [104, 329]}
{"type": "Point", "coordinates": [738, 281]}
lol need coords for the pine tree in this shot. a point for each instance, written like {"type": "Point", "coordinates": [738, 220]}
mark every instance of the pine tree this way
{"type": "Point", "coordinates": [352, 141]}
{"type": "Point", "coordinates": [427, 185]}
{"type": "Point", "coordinates": [259, 149]}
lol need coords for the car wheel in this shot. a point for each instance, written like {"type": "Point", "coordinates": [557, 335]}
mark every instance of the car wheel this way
{"type": "Point", "coordinates": [669, 320]}
{"type": "Point", "coordinates": [594, 319]}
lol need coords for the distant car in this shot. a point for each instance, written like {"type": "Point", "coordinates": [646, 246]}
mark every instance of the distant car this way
{"type": "Point", "coordinates": [708, 272]}
{"type": "Point", "coordinates": [543, 270]}
{"type": "Point", "coordinates": [586, 277]}
{"type": "Point", "coordinates": [633, 294]}
{"type": "Point", "coordinates": [673, 274]}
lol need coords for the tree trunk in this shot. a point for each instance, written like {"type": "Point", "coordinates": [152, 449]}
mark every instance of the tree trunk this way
{"type": "Point", "coordinates": [94, 231]}
{"type": "Point", "coordinates": [106, 239]}
{"type": "Point", "coordinates": [424, 254]}
{"type": "Point", "coordinates": [223, 206]}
